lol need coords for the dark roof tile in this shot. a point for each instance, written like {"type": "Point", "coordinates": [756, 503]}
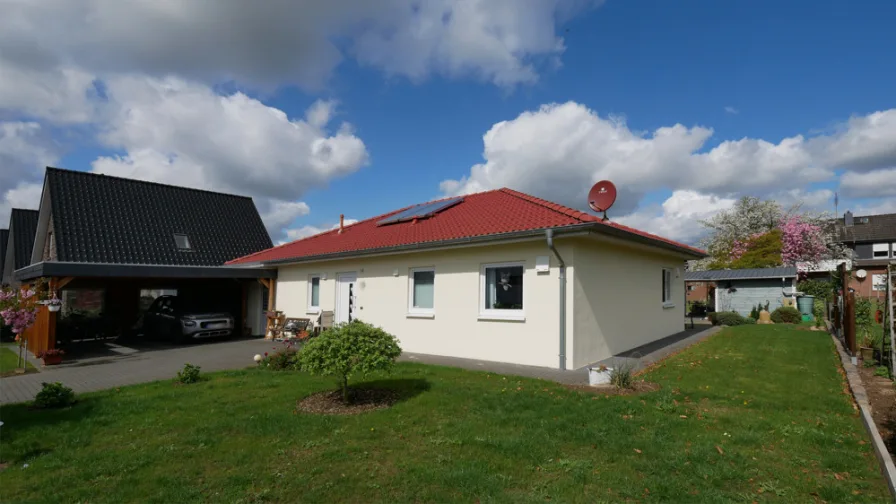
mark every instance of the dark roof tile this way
{"type": "Point", "coordinates": [881, 228]}
{"type": "Point", "coordinates": [23, 226]}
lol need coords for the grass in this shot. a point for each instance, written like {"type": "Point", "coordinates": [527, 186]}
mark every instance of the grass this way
{"type": "Point", "coordinates": [9, 360]}
{"type": "Point", "coordinates": [755, 413]}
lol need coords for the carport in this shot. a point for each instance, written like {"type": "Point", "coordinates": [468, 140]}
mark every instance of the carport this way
{"type": "Point", "coordinates": [106, 301]}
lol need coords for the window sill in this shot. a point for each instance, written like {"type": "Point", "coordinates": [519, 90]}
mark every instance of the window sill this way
{"type": "Point", "coordinates": [666, 306]}
{"type": "Point", "coordinates": [502, 318]}
{"type": "Point", "coordinates": [312, 311]}
{"type": "Point", "coordinates": [421, 315]}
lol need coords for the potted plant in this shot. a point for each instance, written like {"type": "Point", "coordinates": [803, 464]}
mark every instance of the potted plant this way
{"type": "Point", "coordinates": [54, 304]}
{"type": "Point", "coordinates": [599, 375]}
{"type": "Point", "coordinates": [51, 357]}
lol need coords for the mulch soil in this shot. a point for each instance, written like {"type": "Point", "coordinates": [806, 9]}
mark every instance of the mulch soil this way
{"type": "Point", "coordinates": [362, 400]}
{"type": "Point", "coordinates": [638, 387]}
{"type": "Point", "coordinates": [882, 398]}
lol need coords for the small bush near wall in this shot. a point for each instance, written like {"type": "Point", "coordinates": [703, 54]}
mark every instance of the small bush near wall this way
{"type": "Point", "coordinates": [786, 315]}
{"type": "Point", "coordinates": [731, 319]}
{"type": "Point", "coordinates": [54, 395]}
{"type": "Point", "coordinates": [821, 289]}
{"type": "Point", "coordinates": [818, 312]}
{"type": "Point", "coordinates": [283, 359]}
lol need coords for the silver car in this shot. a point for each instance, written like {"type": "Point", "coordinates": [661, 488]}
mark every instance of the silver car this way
{"type": "Point", "coordinates": [169, 318]}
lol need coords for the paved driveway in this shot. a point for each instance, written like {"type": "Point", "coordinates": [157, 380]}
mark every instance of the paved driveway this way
{"type": "Point", "coordinates": [128, 368]}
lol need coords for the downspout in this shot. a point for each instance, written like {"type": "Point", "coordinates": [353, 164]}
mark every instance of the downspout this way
{"type": "Point", "coordinates": [549, 234]}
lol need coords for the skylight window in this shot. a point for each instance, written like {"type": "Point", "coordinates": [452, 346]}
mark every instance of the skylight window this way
{"type": "Point", "coordinates": [420, 211]}
{"type": "Point", "coordinates": [183, 242]}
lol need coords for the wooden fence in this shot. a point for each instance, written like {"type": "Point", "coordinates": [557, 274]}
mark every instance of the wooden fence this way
{"type": "Point", "coordinates": [42, 334]}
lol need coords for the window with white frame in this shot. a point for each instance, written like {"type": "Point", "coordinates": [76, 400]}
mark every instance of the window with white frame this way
{"type": "Point", "coordinates": [667, 288]}
{"type": "Point", "coordinates": [501, 290]}
{"type": "Point", "coordinates": [313, 293]}
{"type": "Point", "coordinates": [880, 250]}
{"type": "Point", "coordinates": [879, 282]}
{"type": "Point", "coordinates": [421, 291]}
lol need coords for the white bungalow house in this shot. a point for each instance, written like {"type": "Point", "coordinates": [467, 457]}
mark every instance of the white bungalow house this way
{"type": "Point", "coordinates": [498, 276]}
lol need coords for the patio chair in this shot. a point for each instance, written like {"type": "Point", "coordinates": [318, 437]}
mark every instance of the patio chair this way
{"type": "Point", "coordinates": [297, 327]}
{"type": "Point", "coordinates": [325, 321]}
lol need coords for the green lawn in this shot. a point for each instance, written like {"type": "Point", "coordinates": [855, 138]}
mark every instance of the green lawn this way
{"type": "Point", "coordinates": [754, 413]}
{"type": "Point", "coordinates": [9, 358]}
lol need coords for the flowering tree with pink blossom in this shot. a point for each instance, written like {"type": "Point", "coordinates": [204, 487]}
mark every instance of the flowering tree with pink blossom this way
{"type": "Point", "coordinates": [802, 241]}
{"type": "Point", "coordinates": [18, 311]}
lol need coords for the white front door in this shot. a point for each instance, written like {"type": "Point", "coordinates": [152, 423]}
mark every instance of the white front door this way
{"type": "Point", "coordinates": [346, 296]}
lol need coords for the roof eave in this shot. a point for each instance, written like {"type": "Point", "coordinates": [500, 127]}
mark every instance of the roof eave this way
{"type": "Point", "coordinates": [646, 240]}
{"type": "Point", "coordinates": [74, 269]}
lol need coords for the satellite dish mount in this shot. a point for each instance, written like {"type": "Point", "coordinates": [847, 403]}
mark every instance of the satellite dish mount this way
{"type": "Point", "coordinates": [602, 196]}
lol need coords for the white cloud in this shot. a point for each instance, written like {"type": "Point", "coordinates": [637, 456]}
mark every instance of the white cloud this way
{"type": "Point", "coordinates": [24, 151]}
{"type": "Point", "coordinates": [862, 143]}
{"type": "Point", "coordinates": [874, 184]}
{"type": "Point", "coordinates": [731, 110]}
{"type": "Point", "coordinates": [297, 42]}
{"type": "Point", "coordinates": [183, 133]}
{"type": "Point", "coordinates": [58, 95]}
{"type": "Point", "coordinates": [679, 216]}
{"type": "Point", "coordinates": [306, 231]}
{"type": "Point", "coordinates": [559, 150]}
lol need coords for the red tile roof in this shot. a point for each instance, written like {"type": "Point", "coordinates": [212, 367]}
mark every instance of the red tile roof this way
{"type": "Point", "coordinates": [496, 212]}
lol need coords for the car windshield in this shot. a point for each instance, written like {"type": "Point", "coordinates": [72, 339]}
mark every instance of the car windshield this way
{"type": "Point", "coordinates": [198, 306]}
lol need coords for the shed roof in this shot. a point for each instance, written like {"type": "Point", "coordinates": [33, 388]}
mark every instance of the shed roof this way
{"type": "Point", "coordinates": [491, 215]}
{"type": "Point", "coordinates": [740, 274]}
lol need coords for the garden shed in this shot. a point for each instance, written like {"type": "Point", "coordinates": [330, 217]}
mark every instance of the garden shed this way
{"type": "Point", "coordinates": [741, 290]}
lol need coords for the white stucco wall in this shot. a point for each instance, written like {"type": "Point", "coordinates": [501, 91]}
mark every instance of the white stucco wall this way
{"type": "Point", "coordinates": [617, 298]}
{"type": "Point", "coordinates": [456, 329]}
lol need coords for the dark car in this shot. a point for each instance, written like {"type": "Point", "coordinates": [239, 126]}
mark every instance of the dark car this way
{"type": "Point", "coordinates": [174, 318]}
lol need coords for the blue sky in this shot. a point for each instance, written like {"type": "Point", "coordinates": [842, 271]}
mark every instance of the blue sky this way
{"type": "Point", "coordinates": [740, 79]}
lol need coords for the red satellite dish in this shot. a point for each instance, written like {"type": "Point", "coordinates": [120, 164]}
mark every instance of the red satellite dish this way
{"type": "Point", "coordinates": [602, 196]}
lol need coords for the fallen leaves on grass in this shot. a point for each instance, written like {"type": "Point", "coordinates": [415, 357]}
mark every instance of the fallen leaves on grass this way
{"type": "Point", "coordinates": [720, 450]}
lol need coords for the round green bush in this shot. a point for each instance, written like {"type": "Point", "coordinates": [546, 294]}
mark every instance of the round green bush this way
{"type": "Point", "coordinates": [732, 319]}
{"type": "Point", "coordinates": [786, 315]}
{"type": "Point", "coordinates": [347, 350]}
{"type": "Point", "coordinates": [54, 395]}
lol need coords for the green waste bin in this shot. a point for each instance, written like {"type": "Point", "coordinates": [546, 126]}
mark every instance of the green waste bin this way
{"type": "Point", "coordinates": [805, 305]}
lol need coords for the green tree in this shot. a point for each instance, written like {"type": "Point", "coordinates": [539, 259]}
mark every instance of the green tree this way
{"type": "Point", "coordinates": [356, 348]}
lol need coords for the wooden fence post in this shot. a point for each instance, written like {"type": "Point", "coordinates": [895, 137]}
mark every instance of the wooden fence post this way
{"type": "Point", "coordinates": [849, 321]}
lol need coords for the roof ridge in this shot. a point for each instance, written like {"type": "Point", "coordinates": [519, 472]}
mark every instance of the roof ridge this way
{"type": "Point", "coordinates": [561, 209]}
{"type": "Point", "coordinates": [381, 216]}
{"type": "Point", "coordinates": [147, 182]}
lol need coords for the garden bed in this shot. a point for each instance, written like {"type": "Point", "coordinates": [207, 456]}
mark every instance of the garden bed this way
{"type": "Point", "coordinates": [882, 398]}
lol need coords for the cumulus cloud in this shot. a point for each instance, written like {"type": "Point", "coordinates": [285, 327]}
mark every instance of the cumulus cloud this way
{"type": "Point", "coordinates": [25, 148]}
{"type": "Point", "coordinates": [874, 184]}
{"type": "Point", "coordinates": [679, 216]}
{"type": "Point", "coordinates": [300, 42]}
{"type": "Point", "coordinates": [559, 150]}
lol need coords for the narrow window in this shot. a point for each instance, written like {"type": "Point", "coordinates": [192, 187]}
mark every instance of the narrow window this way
{"type": "Point", "coordinates": [667, 288]}
{"type": "Point", "coordinates": [314, 293]}
{"type": "Point", "coordinates": [421, 292]}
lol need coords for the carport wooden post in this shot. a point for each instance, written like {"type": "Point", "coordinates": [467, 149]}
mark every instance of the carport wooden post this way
{"type": "Point", "coordinates": [271, 285]}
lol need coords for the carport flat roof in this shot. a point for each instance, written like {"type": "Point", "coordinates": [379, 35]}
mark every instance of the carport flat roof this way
{"type": "Point", "coordinates": [74, 269]}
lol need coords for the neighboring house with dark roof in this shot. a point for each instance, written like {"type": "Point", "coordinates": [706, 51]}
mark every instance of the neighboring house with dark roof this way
{"type": "Point", "coordinates": [498, 275]}
{"type": "Point", "coordinates": [742, 289]}
{"type": "Point", "coordinates": [19, 243]}
{"type": "Point", "coordinates": [4, 242]}
{"type": "Point", "coordinates": [110, 245]}
{"type": "Point", "coordinates": [873, 241]}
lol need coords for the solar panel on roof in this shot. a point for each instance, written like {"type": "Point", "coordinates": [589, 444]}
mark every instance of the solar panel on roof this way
{"type": "Point", "coordinates": [420, 211]}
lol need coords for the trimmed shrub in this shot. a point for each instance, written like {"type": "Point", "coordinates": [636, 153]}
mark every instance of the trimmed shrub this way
{"type": "Point", "coordinates": [786, 315]}
{"type": "Point", "coordinates": [821, 289]}
{"type": "Point", "coordinates": [818, 309]}
{"type": "Point", "coordinates": [54, 395]}
{"type": "Point", "coordinates": [348, 350]}
{"type": "Point", "coordinates": [731, 319]}
{"type": "Point", "coordinates": [190, 374]}
{"type": "Point", "coordinates": [283, 359]}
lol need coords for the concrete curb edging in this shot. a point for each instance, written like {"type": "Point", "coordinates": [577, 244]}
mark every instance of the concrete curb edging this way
{"type": "Point", "coordinates": [858, 391]}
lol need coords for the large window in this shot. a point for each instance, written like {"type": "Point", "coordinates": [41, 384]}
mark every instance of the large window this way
{"type": "Point", "coordinates": [314, 293]}
{"type": "Point", "coordinates": [881, 250]}
{"type": "Point", "coordinates": [421, 291]}
{"type": "Point", "coordinates": [667, 288]}
{"type": "Point", "coordinates": [501, 290]}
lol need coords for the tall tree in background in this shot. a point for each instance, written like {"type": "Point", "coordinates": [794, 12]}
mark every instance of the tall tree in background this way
{"type": "Point", "coordinates": [758, 233]}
